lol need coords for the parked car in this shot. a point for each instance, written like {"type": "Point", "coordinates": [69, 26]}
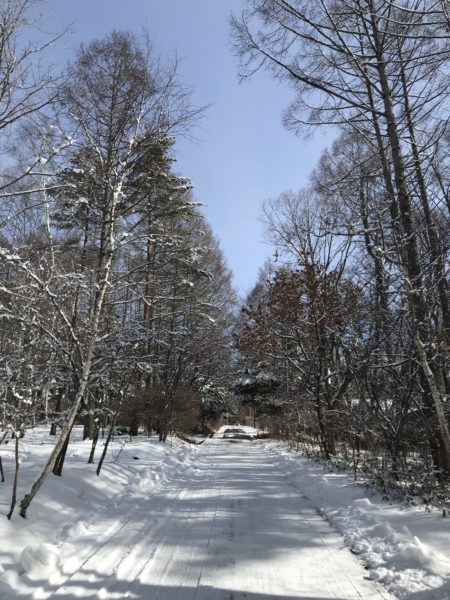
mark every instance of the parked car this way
{"type": "Point", "coordinates": [236, 433]}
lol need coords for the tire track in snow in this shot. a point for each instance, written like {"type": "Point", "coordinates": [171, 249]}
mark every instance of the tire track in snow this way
{"type": "Point", "coordinates": [240, 530]}
{"type": "Point", "coordinates": [116, 547]}
{"type": "Point", "coordinates": [170, 562]}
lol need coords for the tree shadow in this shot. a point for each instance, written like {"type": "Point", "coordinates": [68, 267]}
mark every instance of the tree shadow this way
{"type": "Point", "coordinates": [93, 587]}
{"type": "Point", "coordinates": [240, 516]}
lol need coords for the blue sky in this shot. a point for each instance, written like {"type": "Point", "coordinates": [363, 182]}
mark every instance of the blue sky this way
{"type": "Point", "coordinates": [242, 155]}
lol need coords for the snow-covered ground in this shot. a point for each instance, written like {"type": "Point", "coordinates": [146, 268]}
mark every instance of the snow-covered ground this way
{"type": "Point", "coordinates": [73, 515]}
{"type": "Point", "coordinates": [406, 548]}
{"type": "Point", "coordinates": [218, 521]}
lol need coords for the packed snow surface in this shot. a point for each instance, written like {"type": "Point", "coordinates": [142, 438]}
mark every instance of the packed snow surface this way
{"type": "Point", "coordinates": [226, 520]}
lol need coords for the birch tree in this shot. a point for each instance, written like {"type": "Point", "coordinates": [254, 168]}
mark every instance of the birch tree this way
{"type": "Point", "coordinates": [115, 97]}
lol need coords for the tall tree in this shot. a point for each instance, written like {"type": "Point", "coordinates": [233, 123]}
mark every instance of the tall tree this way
{"type": "Point", "coordinates": [347, 62]}
{"type": "Point", "coordinates": [114, 99]}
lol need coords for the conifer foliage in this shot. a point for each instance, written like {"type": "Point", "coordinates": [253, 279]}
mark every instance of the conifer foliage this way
{"type": "Point", "coordinates": [115, 301]}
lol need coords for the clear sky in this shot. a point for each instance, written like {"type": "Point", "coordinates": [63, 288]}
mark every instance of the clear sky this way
{"type": "Point", "coordinates": [242, 154]}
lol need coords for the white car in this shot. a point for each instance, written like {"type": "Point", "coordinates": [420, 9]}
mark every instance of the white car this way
{"type": "Point", "coordinates": [236, 433]}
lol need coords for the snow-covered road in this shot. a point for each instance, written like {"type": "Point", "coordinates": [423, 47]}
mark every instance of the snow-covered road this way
{"type": "Point", "coordinates": [238, 529]}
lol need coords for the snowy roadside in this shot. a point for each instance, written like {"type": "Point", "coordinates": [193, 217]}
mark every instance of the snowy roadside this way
{"type": "Point", "coordinates": [77, 513]}
{"type": "Point", "coordinates": [406, 548]}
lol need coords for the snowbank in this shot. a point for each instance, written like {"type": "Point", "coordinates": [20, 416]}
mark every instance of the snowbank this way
{"type": "Point", "coordinates": [79, 509]}
{"type": "Point", "coordinates": [40, 560]}
{"type": "Point", "coordinates": [405, 548]}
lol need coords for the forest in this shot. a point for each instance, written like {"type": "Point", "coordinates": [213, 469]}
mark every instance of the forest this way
{"type": "Point", "coordinates": [116, 303]}
{"type": "Point", "coordinates": [348, 326]}
{"type": "Point", "coordinates": [114, 295]}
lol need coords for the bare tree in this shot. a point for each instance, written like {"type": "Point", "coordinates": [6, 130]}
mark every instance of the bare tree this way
{"type": "Point", "coordinates": [347, 63]}
{"type": "Point", "coordinates": [114, 99]}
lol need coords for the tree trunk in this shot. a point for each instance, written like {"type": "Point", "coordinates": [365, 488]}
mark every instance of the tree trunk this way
{"type": "Point", "coordinates": [94, 444]}
{"type": "Point", "coordinates": [322, 428]}
{"type": "Point", "coordinates": [438, 261]}
{"type": "Point", "coordinates": [108, 439]}
{"type": "Point", "coordinates": [59, 463]}
{"type": "Point", "coordinates": [98, 311]}
{"type": "Point", "coordinates": [89, 426]}
{"type": "Point", "coordinates": [16, 477]}
{"type": "Point", "coordinates": [58, 409]}
{"type": "Point", "coordinates": [410, 256]}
